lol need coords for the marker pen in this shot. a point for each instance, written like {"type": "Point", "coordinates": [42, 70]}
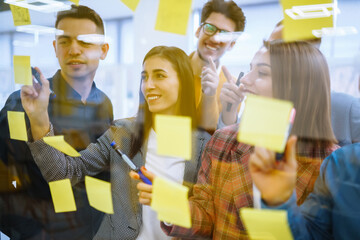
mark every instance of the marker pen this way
{"type": "Point", "coordinates": [279, 156]}
{"type": "Point", "coordinates": [228, 107]}
{"type": "Point", "coordinates": [36, 75]}
{"type": "Point", "coordinates": [130, 163]}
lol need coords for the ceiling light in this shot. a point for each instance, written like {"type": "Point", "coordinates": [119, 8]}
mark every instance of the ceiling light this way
{"type": "Point", "coordinates": [45, 6]}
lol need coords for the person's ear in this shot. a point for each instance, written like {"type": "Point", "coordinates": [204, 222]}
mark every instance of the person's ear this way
{"type": "Point", "coordinates": [104, 50]}
{"type": "Point", "coordinates": [231, 45]}
{"type": "Point", "coordinates": [54, 45]}
{"type": "Point", "coordinates": [197, 33]}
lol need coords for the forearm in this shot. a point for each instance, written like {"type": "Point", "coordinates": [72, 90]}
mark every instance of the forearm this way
{"type": "Point", "coordinates": [55, 165]}
{"type": "Point", "coordinates": [40, 126]}
{"type": "Point", "coordinates": [208, 112]}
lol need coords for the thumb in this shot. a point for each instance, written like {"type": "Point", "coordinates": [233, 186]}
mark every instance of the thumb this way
{"type": "Point", "coordinates": [291, 150]}
{"type": "Point", "coordinates": [148, 174]}
{"type": "Point", "coordinates": [227, 74]}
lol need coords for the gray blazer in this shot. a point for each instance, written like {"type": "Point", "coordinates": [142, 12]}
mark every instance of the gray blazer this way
{"type": "Point", "coordinates": [126, 221]}
{"type": "Point", "coordinates": [345, 118]}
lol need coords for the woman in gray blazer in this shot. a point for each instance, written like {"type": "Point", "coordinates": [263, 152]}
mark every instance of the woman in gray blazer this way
{"type": "Point", "coordinates": [167, 86]}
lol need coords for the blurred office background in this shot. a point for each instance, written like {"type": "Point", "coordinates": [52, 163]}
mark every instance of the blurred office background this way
{"type": "Point", "coordinates": [131, 34]}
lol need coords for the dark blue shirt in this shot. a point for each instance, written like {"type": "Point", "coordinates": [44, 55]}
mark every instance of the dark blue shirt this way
{"type": "Point", "coordinates": [28, 208]}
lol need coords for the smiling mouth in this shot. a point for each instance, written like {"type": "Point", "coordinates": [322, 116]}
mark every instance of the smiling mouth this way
{"type": "Point", "coordinates": [153, 97]}
{"type": "Point", "coordinates": [211, 48]}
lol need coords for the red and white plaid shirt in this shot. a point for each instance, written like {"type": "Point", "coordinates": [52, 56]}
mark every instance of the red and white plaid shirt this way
{"type": "Point", "coordinates": [224, 186]}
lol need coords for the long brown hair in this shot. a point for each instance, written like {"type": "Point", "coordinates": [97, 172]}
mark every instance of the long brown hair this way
{"type": "Point", "coordinates": [300, 74]}
{"type": "Point", "coordinates": [186, 101]}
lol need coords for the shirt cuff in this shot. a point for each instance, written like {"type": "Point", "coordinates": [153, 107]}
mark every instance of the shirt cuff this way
{"type": "Point", "coordinates": [284, 206]}
{"type": "Point", "coordinates": [50, 133]}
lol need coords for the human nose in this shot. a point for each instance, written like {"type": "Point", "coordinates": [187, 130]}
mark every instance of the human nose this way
{"type": "Point", "coordinates": [75, 48]}
{"type": "Point", "coordinates": [148, 84]}
{"type": "Point", "coordinates": [247, 79]}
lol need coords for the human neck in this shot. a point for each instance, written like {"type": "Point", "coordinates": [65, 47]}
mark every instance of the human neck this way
{"type": "Point", "coordinates": [80, 85]}
{"type": "Point", "coordinates": [198, 62]}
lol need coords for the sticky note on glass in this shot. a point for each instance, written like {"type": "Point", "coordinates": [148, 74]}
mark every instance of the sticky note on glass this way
{"type": "Point", "coordinates": [99, 194]}
{"type": "Point", "coordinates": [75, 1]}
{"type": "Point", "coordinates": [22, 70]}
{"type": "Point", "coordinates": [132, 4]}
{"type": "Point", "coordinates": [173, 16]}
{"type": "Point", "coordinates": [62, 196]}
{"type": "Point", "coordinates": [173, 134]}
{"type": "Point", "coordinates": [21, 16]}
{"type": "Point", "coordinates": [265, 122]}
{"type": "Point", "coordinates": [266, 224]}
{"type": "Point", "coordinates": [170, 201]}
{"type": "Point", "coordinates": [17, 125]}
{"type": "Point", "coordinates": [303, 18]}
{"type": "Point", "coordinates": [60, 144]}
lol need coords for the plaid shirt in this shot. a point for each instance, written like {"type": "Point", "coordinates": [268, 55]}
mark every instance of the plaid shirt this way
{"type": "Point", "coordinates": [224, 186]}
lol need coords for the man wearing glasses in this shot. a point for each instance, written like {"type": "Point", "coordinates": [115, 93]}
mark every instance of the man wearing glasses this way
{"type": "Point", "coordinates": [80, 112]}
{"type": "Point", "coordinates": [219, 20]}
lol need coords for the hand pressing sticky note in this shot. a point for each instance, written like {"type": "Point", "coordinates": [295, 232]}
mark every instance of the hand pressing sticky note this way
{"type": "Point", "coordinates": [62, 196]}
{"type": "Point", "coordinates": [303, 18]}
{"type": "Point", "coordinates": [170, 201]}
{"type": "Point", "coordinates": [173, 134]}
{"type": "Point", "coordinates": [265, 122]}
{"type": "Point", "coordinates": [99, 194]}
{"type": "Point", "coordinates": [132, 4]}
{"type": "Point", "coordinates": [266, 224]}
{"type": "Point", "coordinates": [22, 70]}
{"type": "Point", "coordinates": [59, 143]}
{"type": "Point", "coordinates": [17, 125]}
{"type": "Point", "coordinates": [21, 16]}
{"type": "Point", "coordinates": [173, 16]}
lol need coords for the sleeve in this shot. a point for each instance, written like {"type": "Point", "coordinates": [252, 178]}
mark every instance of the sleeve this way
{"type": "Point", "coordinates": [355, 120]}
{"type": "Point", "coordinates": [312, 220]}
{"type": "Point", "coordinates": [201, 203]}
{"type": "Point", "coordinates": [55, 165]}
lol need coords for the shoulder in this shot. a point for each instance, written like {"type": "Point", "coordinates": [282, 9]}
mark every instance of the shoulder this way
{"type": "Point", "coordinates": [344, 163]}
{"type": "Point", "coordinates": [224, 141]}
{"type": "Point", "coordinates": [13, 102]}
{"type": "Point", "coordinates": [342, 100]}
{"type": "Point", "coordinates": [126, 123]}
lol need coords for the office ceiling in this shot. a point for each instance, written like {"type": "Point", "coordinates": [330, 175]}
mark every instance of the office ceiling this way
{"type": "Point", "coordinates": [108, 9]}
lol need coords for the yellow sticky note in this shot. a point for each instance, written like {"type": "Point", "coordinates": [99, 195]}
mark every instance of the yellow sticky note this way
{"type": "Point", "coordinates": [62, 196]}
{"type": "Point", "coordinates": [170, 201]}
{"type": "Point", "coordinates": [266, 224]}
{"type": "Point", "coordinates": [173, 134]}
{"type": "Point", "coordinates": [99, 194]}
{"type": "Point", "coordinates": [17, 125]}
{"type": "Point", "coordinates": [265, 122]}
{"type": "Point", "coordinates": [76, 2]}
{"type": "Point", "coordinates": [173, 16]}
{"type": "Point", "coordinates": [59, 143]}
{"type": "Point", "coordinates": [302, 17]}
{"type": "Point", "coordinates": [22, 70]}
{"type": "Point", "coordinates": [132, 4]}
{"type": "Point", "coordinates": [21, 16]}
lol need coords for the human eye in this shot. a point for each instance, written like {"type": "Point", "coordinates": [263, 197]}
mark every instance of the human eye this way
{"type": "Point", "coordinates": [263, 73]}
{"type": "Point", "coordinates": [85, 44]}
{"type": "Point", "coordinates": [160, 76]}
{"type": "Point", "coordinates": [144, 77]}
{"type": "Point", "coordinates": [64, 41]}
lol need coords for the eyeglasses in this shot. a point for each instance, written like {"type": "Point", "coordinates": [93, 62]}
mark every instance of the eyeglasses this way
{"type": "Point", "coordinates": [211, 30]}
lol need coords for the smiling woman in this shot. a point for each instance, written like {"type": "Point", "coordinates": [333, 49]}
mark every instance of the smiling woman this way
{"type": "Point", "coordinates": [167, 83]}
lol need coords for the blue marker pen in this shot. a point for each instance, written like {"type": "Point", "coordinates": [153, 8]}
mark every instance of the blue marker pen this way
{"type": "Point", "coordinates": [228, 107]}
{"type": "Point", "coordinates": [280, 156]}
{"type": "Point", "coordinates": [130, 163]}
{"type": "Point", "coordinates": [36, 75]}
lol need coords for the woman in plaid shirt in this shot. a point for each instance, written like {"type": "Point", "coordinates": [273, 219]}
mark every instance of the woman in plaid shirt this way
{"type": "Point", "coordinates": [296, 72]}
